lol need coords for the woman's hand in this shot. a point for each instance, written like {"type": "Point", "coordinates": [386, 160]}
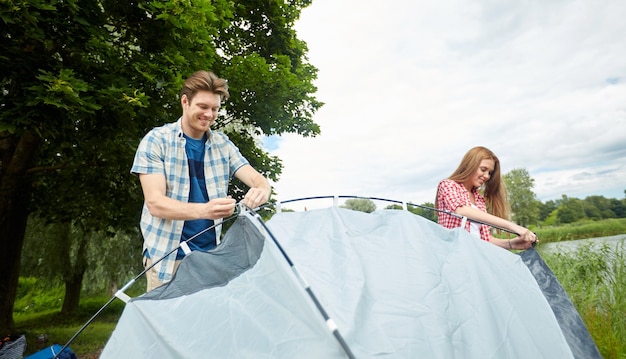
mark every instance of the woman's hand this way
{"type": "Point", "coordinates": [528, 236]}
{"type": "Point", "coordinates": [524, 241]}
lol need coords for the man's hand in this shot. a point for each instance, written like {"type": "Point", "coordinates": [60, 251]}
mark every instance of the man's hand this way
{"type": "Point", "coordinates": [220, 208]}
{"type": "Point", "coordinates": [256, 197]}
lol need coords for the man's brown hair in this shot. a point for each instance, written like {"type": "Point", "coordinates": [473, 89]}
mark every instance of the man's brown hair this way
{"type": "Point", "coordinates": [204, 81]}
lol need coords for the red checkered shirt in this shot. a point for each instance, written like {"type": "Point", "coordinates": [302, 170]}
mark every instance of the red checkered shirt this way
{"type": "Point", "coordinates": [452, 195]}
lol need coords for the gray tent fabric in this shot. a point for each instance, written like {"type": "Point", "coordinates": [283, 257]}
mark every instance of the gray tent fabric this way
{"type": "Point", "coordinates": [396, 284]}
{"type": "Point", "coordinates": [218, 267]}
{"type": "Point", "coordinates": [572, 325]}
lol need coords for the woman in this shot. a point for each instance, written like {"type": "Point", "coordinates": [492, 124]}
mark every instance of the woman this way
{"type": "Point", "coordinates": [476, 191]}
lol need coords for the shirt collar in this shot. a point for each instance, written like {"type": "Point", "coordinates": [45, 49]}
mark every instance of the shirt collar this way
{"type": "Point", "coordinates": [179, 130]}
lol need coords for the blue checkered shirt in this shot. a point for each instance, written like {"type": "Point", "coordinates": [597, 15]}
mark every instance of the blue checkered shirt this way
{"type": "Point", "coordinates": [162, 151]}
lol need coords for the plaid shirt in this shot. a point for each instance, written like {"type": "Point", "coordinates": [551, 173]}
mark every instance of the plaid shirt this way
{"type": "Point", "coordinates": [162, 151]}
{"type": "Point", "coordinates": [452, 195]}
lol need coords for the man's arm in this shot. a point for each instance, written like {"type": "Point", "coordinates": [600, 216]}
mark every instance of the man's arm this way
{"type": "Point", "coordinates": [260, 188]}
{"type": "Point", "coordinates": [161, 206]}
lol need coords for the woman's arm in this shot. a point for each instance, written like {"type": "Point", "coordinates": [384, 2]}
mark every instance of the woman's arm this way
{"type": "Point", "coordinates": [525, 238]}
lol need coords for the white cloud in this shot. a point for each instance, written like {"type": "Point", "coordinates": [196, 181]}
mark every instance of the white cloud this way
{"type": "Point", "coordinates": [409, 86]}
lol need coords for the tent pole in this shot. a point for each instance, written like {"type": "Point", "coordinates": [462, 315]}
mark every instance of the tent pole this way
{"type": "Point", "coordinates": [330, 323]}
{"type": "Point", "coordinates": [123, 296]}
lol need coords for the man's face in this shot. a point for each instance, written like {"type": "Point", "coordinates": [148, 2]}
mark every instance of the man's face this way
{"type": "Point", "coordinates": [200, 114]}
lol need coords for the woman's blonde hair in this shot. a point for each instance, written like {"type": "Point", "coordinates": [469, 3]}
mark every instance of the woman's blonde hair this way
{"type": "Point", "coordinates": [494, 190]}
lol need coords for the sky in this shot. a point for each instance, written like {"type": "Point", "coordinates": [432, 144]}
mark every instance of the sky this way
{"type": "Point", "coordinates": [409, 86]}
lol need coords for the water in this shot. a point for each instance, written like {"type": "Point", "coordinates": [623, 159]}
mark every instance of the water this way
{"type": "Point", "coordinates": [572, 246]}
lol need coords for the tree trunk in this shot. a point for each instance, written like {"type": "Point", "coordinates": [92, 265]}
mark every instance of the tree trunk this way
{"type": "Point", "coordinates": [74, 269]}
{"type": "Point", "coordinates": [73, 286]}
{"type": "Point", "coordinates": [15, 192]}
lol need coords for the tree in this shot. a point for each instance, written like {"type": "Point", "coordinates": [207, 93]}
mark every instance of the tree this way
{"type": "Point", "coordinates": [618, 207]}
{"type": "Point", "coordinates": [360, 204]}
{"type": "Point", "coordinates": [524, 204]}
{"type": "Point", "coordinates": [545, 209]}
{"type": "Point", "coordinates": [570, 210]}
{"type": "Point", "coordinates": [426, 210]}
{"type": "Point", "coordinates": [599, 207]}
{"type": "Point", "coordinates": [82, 81]}
{"type": "Point", "coordinates": [53, 252]}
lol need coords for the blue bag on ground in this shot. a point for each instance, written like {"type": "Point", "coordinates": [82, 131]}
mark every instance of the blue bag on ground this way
{"type": "Point", "coordinates": [51, 351]}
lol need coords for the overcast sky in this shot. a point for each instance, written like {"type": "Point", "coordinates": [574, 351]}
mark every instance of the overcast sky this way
{"type": "Point", "coordinates": [410, 85]}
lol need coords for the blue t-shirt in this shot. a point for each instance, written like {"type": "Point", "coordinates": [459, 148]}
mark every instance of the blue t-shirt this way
{"type": "Point", "coordinates": [197, 194]}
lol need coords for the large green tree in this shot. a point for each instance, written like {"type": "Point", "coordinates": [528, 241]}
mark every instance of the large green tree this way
{"type": "Point", "coordinates": [63, 251]}
{"type": "Point", "coordinates": [599, 207]}
{"type": "Point", "coordinates": [523, 201]}
{"type": "Point", "coordinates": [82, 81]}
{"type": "Point", "coordinates": [570, 210]}
{"type": "Point", "coordinates": [545, 209]}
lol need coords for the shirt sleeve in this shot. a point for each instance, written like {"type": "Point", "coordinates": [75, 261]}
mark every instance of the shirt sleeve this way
{"type": "Point", "coordinates": [149, 156]}
{"type": "Point", "coordinates": [235, 159]}
{"type": "Point", "coordinates": [452, 195]}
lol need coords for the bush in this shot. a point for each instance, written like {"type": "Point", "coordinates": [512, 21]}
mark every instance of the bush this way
{"type": "Point", "coordinates": [35, 296]}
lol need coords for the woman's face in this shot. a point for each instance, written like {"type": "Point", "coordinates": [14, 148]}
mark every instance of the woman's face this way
{"type": "Point", "coordinates": [482, 174]}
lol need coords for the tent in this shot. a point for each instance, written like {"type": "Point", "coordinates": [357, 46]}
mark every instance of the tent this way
{"type": "Point", "coordinates": [337, 283]}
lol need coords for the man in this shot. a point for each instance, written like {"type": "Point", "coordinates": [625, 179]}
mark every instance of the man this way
{"type": "Point", "coordinates": [184, 169]}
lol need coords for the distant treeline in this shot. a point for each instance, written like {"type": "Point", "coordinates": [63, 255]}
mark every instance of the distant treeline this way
{"type": "Point", "coordinates": [552, 212]}
{"type": "Point", "coordinates": [569, 210]}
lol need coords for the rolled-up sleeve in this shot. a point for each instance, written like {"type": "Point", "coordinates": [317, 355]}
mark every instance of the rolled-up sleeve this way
{"type": "Point", "coordinates": [452, 195]}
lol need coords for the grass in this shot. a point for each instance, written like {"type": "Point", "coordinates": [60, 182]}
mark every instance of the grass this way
{"type": "Point", "coordinates": [594, 276]}
{"type": "Point", "coordinates": [59, 329]}
{"type": "Point", "coordinates": [37, 312]}
{"type": "Point", "coordinates": [594, 279]}
{"type": "Point", "coordinates": [581, 230]}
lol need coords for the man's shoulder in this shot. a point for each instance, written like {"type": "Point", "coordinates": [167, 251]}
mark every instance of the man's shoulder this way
{"type": "Point", "coordinates": [219, 137]}
{"type": "Point", "coordinates": [172, 127]}
{"type": "Point", "coordinates": [167, 130]}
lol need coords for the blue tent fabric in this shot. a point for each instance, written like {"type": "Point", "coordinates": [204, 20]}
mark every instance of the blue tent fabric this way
{"type": "Point", "coordinates": [258, 310]}
{"type": "Point", "coordinates": [418, 288]}
{"type": "Point", "coordinates": [396, 284]}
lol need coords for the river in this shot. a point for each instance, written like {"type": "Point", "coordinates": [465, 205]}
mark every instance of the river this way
{"type": "Point", "coordinates": [571, 246]}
